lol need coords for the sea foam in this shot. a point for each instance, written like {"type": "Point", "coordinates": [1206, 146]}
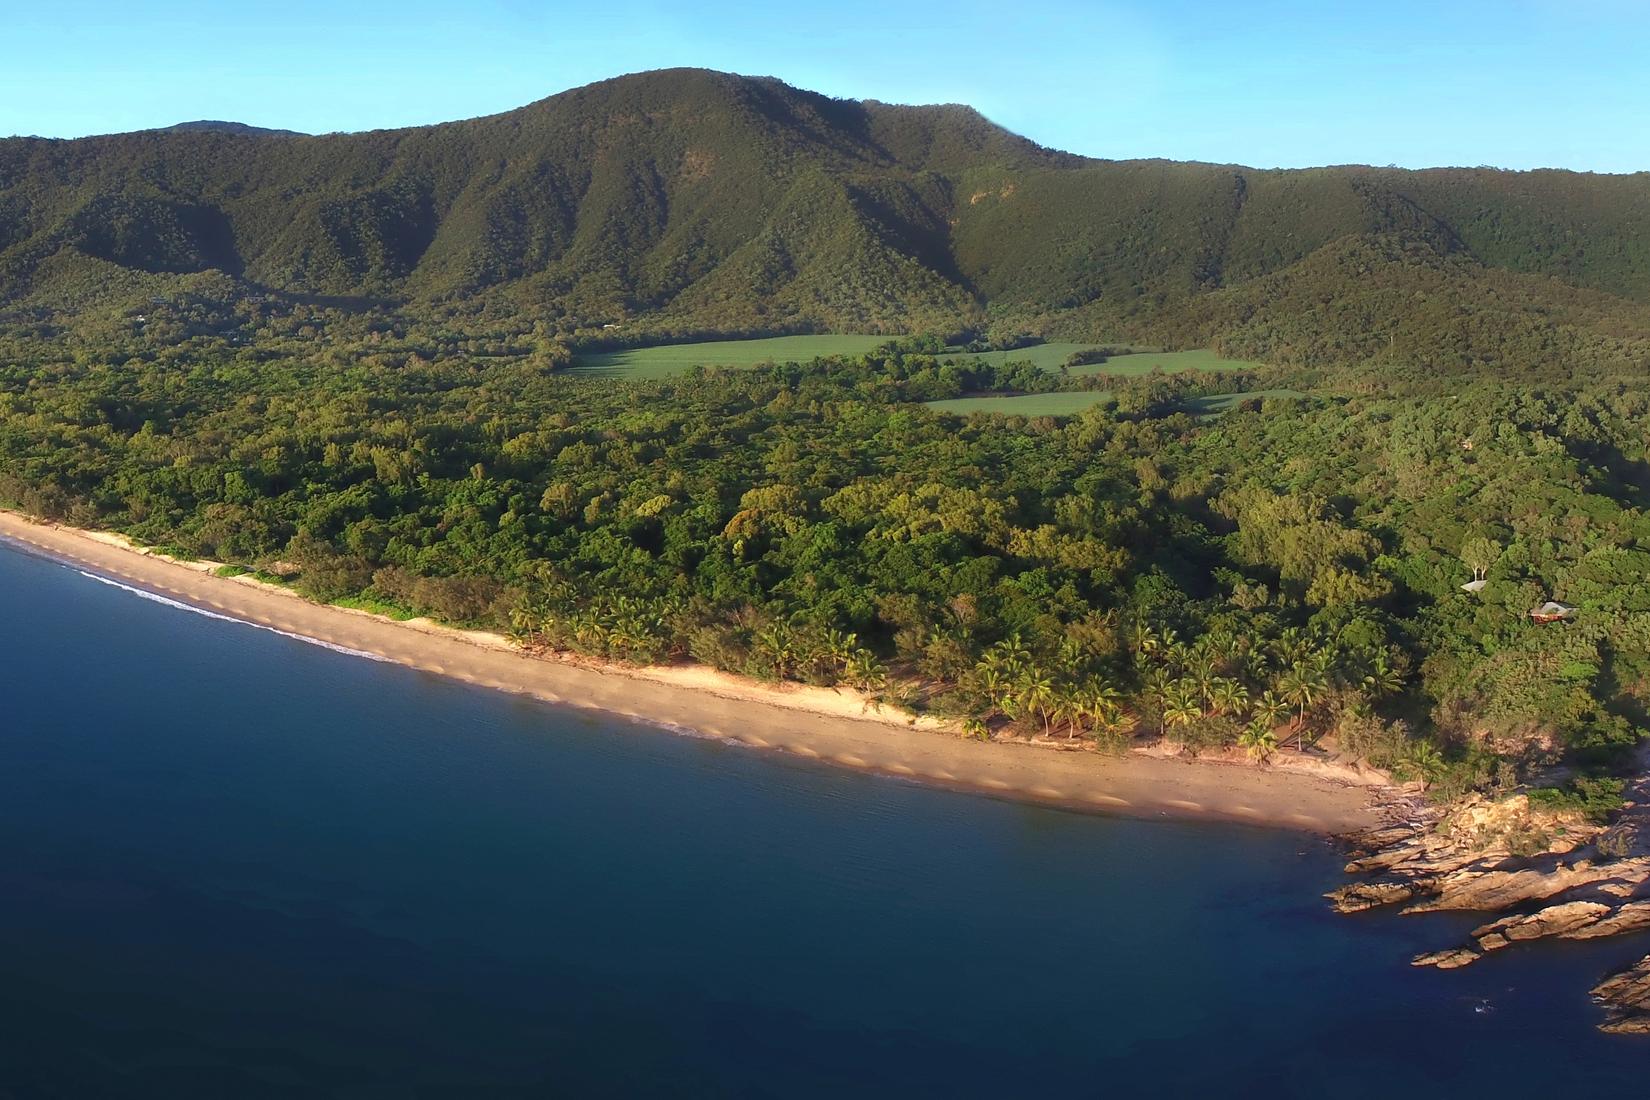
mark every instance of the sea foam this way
{"type": "Point", "coordinates": [183, 606]}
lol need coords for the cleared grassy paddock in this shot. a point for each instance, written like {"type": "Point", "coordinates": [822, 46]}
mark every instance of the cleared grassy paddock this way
{"type": "Point", "coordinates": [665, 360]}
{"type": "Point", "coordinates": [1144, 362]}
{"type": "Point", "coordinates": [1049, 357]}
{"type": "Point", "coordinates": [1220, 402]}
{"type": "Point", "coordinates": [1070, 404]}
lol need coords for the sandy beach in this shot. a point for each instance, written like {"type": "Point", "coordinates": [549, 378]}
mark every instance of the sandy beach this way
{"type": "Point", "coordinates": [828, 725]}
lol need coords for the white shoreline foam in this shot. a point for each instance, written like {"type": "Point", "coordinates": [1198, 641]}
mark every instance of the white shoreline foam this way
{"type": "Point", "coordinates": [182, 605]}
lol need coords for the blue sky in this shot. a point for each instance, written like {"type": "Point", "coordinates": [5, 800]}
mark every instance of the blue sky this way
{"type": "Point", "coordinates": [1513, 83]}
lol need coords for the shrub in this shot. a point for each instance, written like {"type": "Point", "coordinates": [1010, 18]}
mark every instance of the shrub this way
{"type": "Point", "coordinates": [1597, 797]}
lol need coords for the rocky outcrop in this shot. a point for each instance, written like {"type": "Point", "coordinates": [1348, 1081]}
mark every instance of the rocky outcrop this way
{"type": "Point", "coordinates": [1626, 1000]}
{"type": "Point", "coordinates": [1433, 876]}
{"type": "Point", "coordinates": [1360, 896]}
{"type": "Point", "coordinates": [1448, 960]}
{"type": "Point", "coordinates": [1570, 920]}
{"type": "Point", "coordinates": [1554, 877]}
{"type": "Point", "coordinates": [1566, 920]}
{"type": "Point", "coordinates": [1497, 889]}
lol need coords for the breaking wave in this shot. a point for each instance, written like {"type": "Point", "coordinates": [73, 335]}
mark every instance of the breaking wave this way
{"type": "Point", "coordinates": [183, 606]}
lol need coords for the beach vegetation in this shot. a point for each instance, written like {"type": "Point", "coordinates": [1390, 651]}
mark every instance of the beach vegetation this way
{"type": "Point", "coordinates": [1290, 568]}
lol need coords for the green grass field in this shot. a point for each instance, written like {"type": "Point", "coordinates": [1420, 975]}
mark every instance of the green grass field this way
{"type": "Point", "coordinates": [1218, 403]}
{"type": "Point", "coordinates": [1047, 356]}
{"type": "Point", "coordinates": [1169, 362]}
{"type": "Point", "coordinates": [665, 360]}
{"type": "Point", "coordinates": [1070, 404]}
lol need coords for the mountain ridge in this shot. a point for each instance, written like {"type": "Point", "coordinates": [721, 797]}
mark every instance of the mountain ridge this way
{"type": "Point", "coordinates": [687, 199]}
{"type": "Point", "coordinates": [225, 127]}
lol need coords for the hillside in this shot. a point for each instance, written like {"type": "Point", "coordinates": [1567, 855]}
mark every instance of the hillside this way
{"type": "Point", "coordinates": [684, 201]}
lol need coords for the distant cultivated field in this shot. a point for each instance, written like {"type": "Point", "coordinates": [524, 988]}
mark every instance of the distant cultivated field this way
{"type": "Point", "coordinates": [1047, 356]}
{"type": "Point", "coordinates": [1070, 404]}
{"type": "Point", "coordinates": [1144, 362]}
{"type": "Point", "coordinates": [664, 360]}
{"type": "Point", "coordinates": [1220, 402]}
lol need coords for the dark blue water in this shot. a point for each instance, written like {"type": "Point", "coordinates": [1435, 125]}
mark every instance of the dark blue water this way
{"type": "Point", "coordinates": [236, 865]}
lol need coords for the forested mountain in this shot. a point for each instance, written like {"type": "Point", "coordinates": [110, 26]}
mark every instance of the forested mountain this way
{"type": "Point", "coordinates": [685, 200]}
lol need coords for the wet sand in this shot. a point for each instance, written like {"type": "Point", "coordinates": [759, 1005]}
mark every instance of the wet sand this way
{"type": "Point", "coordinates": [828, 725]}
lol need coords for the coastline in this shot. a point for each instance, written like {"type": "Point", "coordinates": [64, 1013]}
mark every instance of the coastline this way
{"type": "Point", "coordinates": [833, 726]}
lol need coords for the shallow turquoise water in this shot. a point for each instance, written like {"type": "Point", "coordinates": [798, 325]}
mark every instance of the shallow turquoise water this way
{"type": "Point", "coordinates": [236, 864]}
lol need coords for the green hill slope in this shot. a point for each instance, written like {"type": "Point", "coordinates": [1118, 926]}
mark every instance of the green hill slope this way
{"type": "Point", "coordinates": [686, 200]}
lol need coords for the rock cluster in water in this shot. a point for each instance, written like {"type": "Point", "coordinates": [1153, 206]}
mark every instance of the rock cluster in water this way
{"type": "Point", "coordinates": [1555, 876]}
{"type": "Point", "coordinates": [1626, 997]}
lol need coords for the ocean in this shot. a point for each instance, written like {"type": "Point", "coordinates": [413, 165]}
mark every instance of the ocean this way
{"type": "Point", "coordinates": [236, 864]}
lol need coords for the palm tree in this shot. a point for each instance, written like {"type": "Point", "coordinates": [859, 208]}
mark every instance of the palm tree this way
{"type": "Point", "coordinates": [1322, 664]}
{"type": "Point", "coordinates": [1270, 709]}
{"type": "Point", "coordinates": [1291, 646]}
{"type": "Point", "coordinates": [1294, 688]}
{"type": "Point", "coordinates": [1255, 664]}
{"type": "Point", "coordinates": [1008, 656]}
{"type": "Point", "coordinates": [1258, 740]}
{"type": "Point", "coordinates": [1115, 722]}
{"type": "Point", "coordinates": [1227, 648]}
{"type": "Point", "coordinates": [1301, 686]}
{"type": "Point", "coordinates": [778, 644]}
{"type": "Point", "coordinates": [589, 632]}
{"type": "Point", "coordinates": [1143, 638]}
{"type": "Point", "coordinates": [1384, 677]}
{"type": "Point", "coordinates": [1229, 697]}
{"type": "Point", "coordinates": [1183, 706]}
{"type": "Point", "coordinates": [1068, 708]}
{"type": "Point", "coordinates": [1037, 695]}
{"type": "Point", "coordinates": [1427, 760]}
{"type": "Point", "coordinates": [992, 684]}
{"type": "Point", "coordinates": [1155, 691]}
{"type": "Point", "coordinates": [1070, 655]}
{"type": "Point", "coordinates": [1177, 655]}
{"type": "Point", "coordinates": [1204, 677]}
{"type": "Point", "coordinates": [1102, 703]}
{"type": "Point", "coordinates": [527, 619]}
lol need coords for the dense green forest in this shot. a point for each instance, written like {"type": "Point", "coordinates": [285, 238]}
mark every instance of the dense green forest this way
{"type": "Point", "coordinates": [1288, 570]}
{"type": "Point", "coordinates": [687, 203]}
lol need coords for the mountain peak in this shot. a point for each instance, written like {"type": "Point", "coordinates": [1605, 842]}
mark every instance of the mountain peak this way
{"type": "Point", "coordinates": [216, 126]}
